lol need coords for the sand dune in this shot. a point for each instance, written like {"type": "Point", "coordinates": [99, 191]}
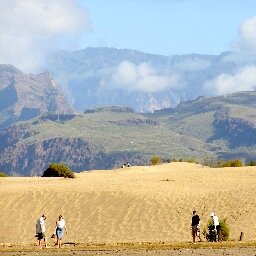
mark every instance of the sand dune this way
{"type": "Point", "coordinates": [130, 205]}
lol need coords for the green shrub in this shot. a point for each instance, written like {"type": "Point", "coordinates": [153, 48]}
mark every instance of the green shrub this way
{"type": "Point", "coordinates": [2, 174]}
{"type": "Point", "coordinates": [58, 170]}
{"type": "Point", "coordinates": [252, 163]}
{"type": "Point", "coordinates": [155, 160]}
{"type": "Point", "coordinates": [233, 163]}
{"type": "Point", "coordinates": [191, 160]}
{"type": "Point", "coordinates": [229, 163]}
{"type": "Point", "coordinates": [224, 230]}
{"type": "Point", "coordinates": [223, 234]}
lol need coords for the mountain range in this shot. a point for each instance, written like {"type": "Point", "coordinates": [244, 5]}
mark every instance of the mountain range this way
{"type": "Point", "coordinates": [205, 130]}
{"type": "Point", "coordinates": [101, 107]}
{"type": "Point", "coordinates": [96, 77]}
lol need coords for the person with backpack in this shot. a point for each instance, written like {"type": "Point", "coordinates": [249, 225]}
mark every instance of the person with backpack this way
{"type": "Point", "coordinates": [41, 230]}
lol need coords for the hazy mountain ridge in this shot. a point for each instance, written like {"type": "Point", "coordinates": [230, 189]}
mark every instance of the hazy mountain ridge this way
{"type": "Point", "coordinates": [24, 96]}
{"type": "Point", "coordinates": [146, 82]}
{"type": "Point", "coordinates": [204, 129]}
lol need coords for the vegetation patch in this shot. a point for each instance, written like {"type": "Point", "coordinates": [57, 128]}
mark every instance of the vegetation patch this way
{"type": "Point", "coordinates": [189, 160]}
{"type": "Point", "coordinates": [58, 170]}
{"type": "Point", "coordinates": [209, 233]}
{"type": "Point", "coordinates": [155, 160]}
{"type": "Point", "coordinates": [2, 174]}
{"type": "Point", "coordinates": [230, 163]}
{"type": "Point", "coordinates": [252, 163]}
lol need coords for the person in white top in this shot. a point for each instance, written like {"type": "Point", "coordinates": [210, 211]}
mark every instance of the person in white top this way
{"type": "Point", "coordinates": [216, 225]}
{"type": "Point", "coordinates": [41, 230]}
{"type": "Point", "coordinates": [60, 226]}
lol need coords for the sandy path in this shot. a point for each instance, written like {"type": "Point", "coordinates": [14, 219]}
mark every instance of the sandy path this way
{"type": "Point", "coordinates": [233, 249]}
{"type": "Point", "coordinates": [132, 204]}
{"type": "Point", "coordinates": [182, 252]}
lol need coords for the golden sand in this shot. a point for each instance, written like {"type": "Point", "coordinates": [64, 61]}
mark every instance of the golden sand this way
{"type": "Point", "coordinates": [136, 204]}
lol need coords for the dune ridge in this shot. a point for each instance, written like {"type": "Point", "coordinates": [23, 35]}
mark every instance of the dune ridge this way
{"type": "Point", "coordinates": [146, 203]}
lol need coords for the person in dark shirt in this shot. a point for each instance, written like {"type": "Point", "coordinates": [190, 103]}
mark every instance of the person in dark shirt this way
{"type": "Point", "coordinates": [195, 225]}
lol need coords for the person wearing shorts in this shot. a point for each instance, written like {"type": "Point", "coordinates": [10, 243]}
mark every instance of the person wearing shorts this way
{"type": "Point", "coordinates": [41, 230]}
{"type": "Point", "coordinates": [60, 226]}
{"type": "Point", "coordinates": [195, 226]}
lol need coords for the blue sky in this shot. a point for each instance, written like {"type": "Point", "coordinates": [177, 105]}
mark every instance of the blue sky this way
{"type": "Point", "coordinates": [166, 26]}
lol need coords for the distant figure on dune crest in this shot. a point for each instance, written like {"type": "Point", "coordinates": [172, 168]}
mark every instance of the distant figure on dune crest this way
{"type": "Point", "coordinates": [41, 230]}
{"type": "Point", "coordinates": [60, 226]}
{"type": "Point", "coordinates": [216, 225]}
{"type": "Point", "coordinates": [195, 226]}
{"type": "Point", "coordinates": [126, 165]}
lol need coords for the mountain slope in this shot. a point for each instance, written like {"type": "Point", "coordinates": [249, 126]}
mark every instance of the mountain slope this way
{"type": "Point", "coordinates": [99, 140]}
{"type": "Point", "coordinates": [23, 96]}
{"type": "Point", "coordinates": [228, 121]}
{"type": "Point", "coordinates": [205, 129]}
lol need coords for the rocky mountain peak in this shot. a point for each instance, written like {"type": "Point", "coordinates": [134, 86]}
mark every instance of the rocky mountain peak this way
{"type": "Point", "coordinates": [24, 96]}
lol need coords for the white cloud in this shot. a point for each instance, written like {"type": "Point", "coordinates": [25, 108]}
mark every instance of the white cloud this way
{"type": "Point", "coordinates": [244, 80]}
{"type": "Point", "coordinates": [29, 28]}
{"type": "Point", "coordinates": [143, 78]}
{"type": "Point", "coordinates": [247, 35]}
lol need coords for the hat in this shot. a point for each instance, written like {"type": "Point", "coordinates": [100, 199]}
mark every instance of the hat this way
{"type": "Point", "coordinates": [212, 214]}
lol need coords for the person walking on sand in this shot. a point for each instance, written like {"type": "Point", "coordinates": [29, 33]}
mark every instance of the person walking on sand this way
{"type": "Point", "coordinates": [41, 230]}
{"type": "Point", "coordinates": [216, 225]}
{"type": "Point", "coordinates": [195, 226]}
{"type": "Point", "coordinates": [60, 226]}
